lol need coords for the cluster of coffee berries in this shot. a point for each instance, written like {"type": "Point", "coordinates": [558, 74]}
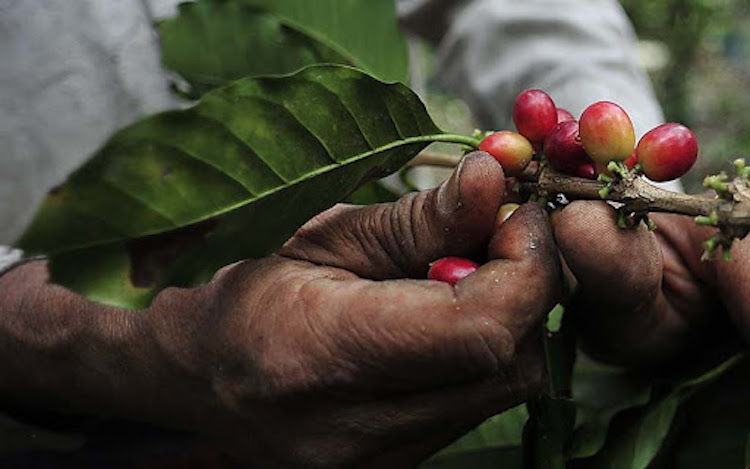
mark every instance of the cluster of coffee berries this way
{"type": "Point", "coordinates": [584, 147]}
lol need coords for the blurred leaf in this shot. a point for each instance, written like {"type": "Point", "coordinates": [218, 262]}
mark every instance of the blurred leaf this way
{"type": "Point", "coordinates": [636, 436]}
{"type": "Point", "coordinates": [174, 197]}
{"type": "Point", "coordinates": [714, 424]}
{"type": "Point", "coordinates": [374, 192]}
{"type": "Point", "coordinates": [365, 32]}
{"type": "Point", "coordinates": [211, 43]}
{"type": "Point", "coordinates": [554, 318]}
{"type": "Point", "coordinates": [601, 392]}
{"type": "Point", "coordinates": [493, 442]}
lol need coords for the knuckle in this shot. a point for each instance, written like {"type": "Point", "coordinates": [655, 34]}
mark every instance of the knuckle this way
{"type": "Point", "coordinates": [489, 344]}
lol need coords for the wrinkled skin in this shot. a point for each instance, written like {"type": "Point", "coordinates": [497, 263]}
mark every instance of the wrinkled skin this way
{"type": "Point", "coordinates": [645, 298]}
{"type": "Point", "coordinates": [325, 355]}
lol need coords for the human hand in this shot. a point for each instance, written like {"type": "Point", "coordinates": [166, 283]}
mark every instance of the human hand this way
{"type": "Point", "coordinates": [646, 299]}
{"type": "Point", "coordinates": [330, 354]}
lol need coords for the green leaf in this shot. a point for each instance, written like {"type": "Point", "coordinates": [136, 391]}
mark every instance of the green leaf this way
{"type": "Point", "coordinates": [374, 192]}
{"type": "Point", "coordinates": [601, 392]}
{"type": "Point", "coordinates": [501, 431]}
{"type": "Point", "coordinates": [637, 435]}
{"type": "Point", "coordinates": [212, 43]}
{"type": "Point", "coordinates": [363, 31]}
{"type": "Point", "coordinates": [715, 423]}
{"type": "Point", "coordinates": [174, 197]}
{"type": "Point", "coordinates": [495, 443]}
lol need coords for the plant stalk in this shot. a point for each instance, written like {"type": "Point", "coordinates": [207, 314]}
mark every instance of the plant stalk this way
{"type": "Point", "coordinates": [731, 211]}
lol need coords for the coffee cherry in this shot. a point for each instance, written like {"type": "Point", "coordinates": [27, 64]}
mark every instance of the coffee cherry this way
{"type": "Point", "coordinates": [563, 115]}
{"type": "Point", "coordinates": [607, 133]}
{"type": "Point", "coordinates": [534, 114]}
{"type": "Point", "coordinates": [451, 269]}
{"type": "Point", "coordinates": [563, 147]}
{"type": "Point", "coordinates": [586, 171]}
{"type": "Point", "coordinates": [631, 160]}
{"type": "Point", "coordinates": [510, 149]}
{"type": "Point", "coordinates": [667, 152]}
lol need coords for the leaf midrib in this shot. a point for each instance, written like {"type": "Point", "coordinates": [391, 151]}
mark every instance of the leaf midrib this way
{"type": "Point", "coordinates": [322, 170]}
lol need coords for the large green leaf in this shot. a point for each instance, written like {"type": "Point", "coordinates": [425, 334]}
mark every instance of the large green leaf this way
{"type": "Point", "coordinates": [363, 31]}
{"type": "Point", "coordinates": [715, 424]}
{"type": "Point", "coordinates": [637, 435]}
{"type": "Point", "coordinates": [495, 443]}
{"type": "Point", "coordinates": [211, 43]}
{"type": "Point", "coordinates": [172, 198]}
{"type": "Point", "coordinates": [601, 392]}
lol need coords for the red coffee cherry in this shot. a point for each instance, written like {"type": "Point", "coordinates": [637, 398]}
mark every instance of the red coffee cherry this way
{"type": "Point", "coordinates": [667, 152]}
{"type": "Point", "coordinates": [586, 171]}
{"type": "Point", "coordinates": [510, 149]}
{"type": "Point", "coordinates": [451, 269]}
{"type": "Point", "coordinates": [631, 160]}
{"type": "Point", "coordinates": [607, 133]}
{"type": "Point", "coordinates": [563, 148]}
{"type": "Point", "coordinates": [534, 114]}
{"type": "Point", "coordinates": [563, 115]}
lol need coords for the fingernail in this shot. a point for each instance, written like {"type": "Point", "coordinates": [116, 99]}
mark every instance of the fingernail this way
{"type": "Point", "coordinates": [506, 210]}
{"type": "Point", "coordinates": [449, 194]}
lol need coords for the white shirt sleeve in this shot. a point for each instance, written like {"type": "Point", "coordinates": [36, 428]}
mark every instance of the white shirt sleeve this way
{"type": "Point", "coordinates": [579, 51]}
{"type": "Point", "coordinates": [73, 72]}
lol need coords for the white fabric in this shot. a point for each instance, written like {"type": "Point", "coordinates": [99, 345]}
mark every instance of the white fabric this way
{"type": "Point", "coordinates": [579, 51]}
{"type": "Point", "coordinates": [72, 73]}
{"type": "Point", "coordinates": [75, 71]}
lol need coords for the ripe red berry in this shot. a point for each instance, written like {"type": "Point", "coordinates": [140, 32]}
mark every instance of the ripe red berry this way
{"type": "Point", "coordinates": [510, 149]}
{"type": "Point", "coordinates": [563, 115]}
{"type": "Point", "coordinates": [586, 171]}
{"type": "Point", "coordinates": [563, 148]}
{"type": "Point", "coordinates": [631, 160]}
{"type": "Point", "coordinates": [451, 269]}
{"type": "Point", "coordinates": [607, 133]}
{"type": "Point", "coordinates": [667, 152]}
{"type": "Point", "coordinates": [534, 114]}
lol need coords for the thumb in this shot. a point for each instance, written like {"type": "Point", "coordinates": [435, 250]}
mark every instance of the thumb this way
{"type": "Point", "coordinates": [400, 239]}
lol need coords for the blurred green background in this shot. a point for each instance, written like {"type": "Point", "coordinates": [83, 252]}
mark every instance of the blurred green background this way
{"type": "Point", "coordinates": [697, 53]}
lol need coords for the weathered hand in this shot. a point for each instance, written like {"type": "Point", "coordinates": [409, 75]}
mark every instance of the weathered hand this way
{"type": "Point", "coordinates": [330, 354]}
{"type": "Point", "coordinates": [645, 298]}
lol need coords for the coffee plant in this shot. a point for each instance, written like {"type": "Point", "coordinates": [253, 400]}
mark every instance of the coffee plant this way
{"type": "Point", "coordinates": [295, 110]}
